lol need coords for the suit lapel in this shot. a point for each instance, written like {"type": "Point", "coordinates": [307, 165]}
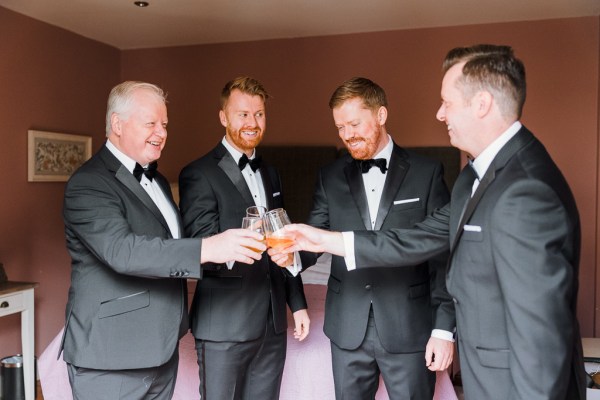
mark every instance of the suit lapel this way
{"type": "Point", "coordinates": [231, 169]}
{"type": "Point", "coordinates": [395, 175]}
{"type": "Point", "coordinates": [522, 138]}
{"type": "Point", "coordinates": [357, 189]}
{"type": "Point", "coordinates": [124, 176]}
{"type": "Point", "coordinates": [267, 185]}
{"type": "Point", "coordinates": [127, 179]}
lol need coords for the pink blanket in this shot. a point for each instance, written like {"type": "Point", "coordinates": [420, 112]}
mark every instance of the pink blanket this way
{"type": "Point", "coordinates": [307, 374]}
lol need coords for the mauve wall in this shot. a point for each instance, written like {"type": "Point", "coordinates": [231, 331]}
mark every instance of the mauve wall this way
{"type": "Point", "coordinates": [561, 57]}
{"type": "Point", "coordinates": [57, 81]}
{"type": "Point", "coordinates": [51, 80]}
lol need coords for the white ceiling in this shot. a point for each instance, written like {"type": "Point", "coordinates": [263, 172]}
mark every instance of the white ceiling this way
{"type": "Point", "coordinates": [121, 24]}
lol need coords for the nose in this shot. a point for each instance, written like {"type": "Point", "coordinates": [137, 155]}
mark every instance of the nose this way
{"type": "Point", "coordinates": [441, 114]}
{"type": "Point", "coordinates": [347, 133]}
{"type": "Point", "coordinates": [160, 130]}
{"type": "Point", "coordinates": [251, 121]}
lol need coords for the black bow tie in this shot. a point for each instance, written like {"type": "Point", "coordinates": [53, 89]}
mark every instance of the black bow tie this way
{"type": "Point", "coordinates": [150, 171]}
{"type": "Point", "coordinates": [254, 163]}
{"type": "Point", "coordinates": [470, 164]}
{"type": "Point", "coordinates": [365, 165]}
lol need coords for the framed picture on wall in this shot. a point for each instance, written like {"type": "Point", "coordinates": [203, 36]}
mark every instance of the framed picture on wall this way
{"type": "Point", "coordinates": [53, 157]}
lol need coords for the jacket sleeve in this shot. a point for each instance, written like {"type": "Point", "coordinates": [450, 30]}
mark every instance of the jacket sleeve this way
{"type": "Point", "coordinates": [98, 222]}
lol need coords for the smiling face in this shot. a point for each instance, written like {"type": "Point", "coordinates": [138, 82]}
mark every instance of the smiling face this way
{"type": "Point", "coordinates": [458, 113]}
{"type": "Point", "coordinates": [362, 130]}
{"type": "Point", "coordinates": [243, 117]}
{"type": "Point", "coordinates": [141, 132]}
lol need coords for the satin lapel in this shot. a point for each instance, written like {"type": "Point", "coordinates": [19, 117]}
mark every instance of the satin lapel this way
{"type": "Point", "coordinates": [522, 138]}
{"type": "Point", "coordinates": [472, 203]}
{"type": "Point", "coordinates": [461, 193]}
{"type": "Point", "coordinates": [393, 180]}
{"type": "Point", "coordinates": [267, 186]}
{"type": "Point", "coordinates": [357, 188]}
{"type": "Point", "coordinates": [127, 179]}
{"type": "Point", "coordinates": [228, 165]}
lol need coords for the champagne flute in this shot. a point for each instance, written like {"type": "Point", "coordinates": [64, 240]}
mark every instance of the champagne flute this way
{"type": "Point", "coordinates": [256, 211]}
{"type": "Point", "coordinates": [277, 237]}
{"type": "Point", "coordinates": [255, 224]}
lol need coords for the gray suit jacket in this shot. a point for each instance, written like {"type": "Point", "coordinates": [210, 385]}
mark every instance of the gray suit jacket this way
{"type": "Point", "coordinates": [125, 310]}
{"type": "Point", "coordinates": [513, 274]}
{"type": "Point", "coordinates": [233, 305]}
{"type": "Point", "coordinates": [407, 302]}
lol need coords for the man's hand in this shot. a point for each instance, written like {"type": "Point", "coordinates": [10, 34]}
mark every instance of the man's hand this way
{"type": "Point", "coordinates": [280, 258]}
{"type": "Point", "coordinates": [302, 323]}
{"type": "Point", "coordinates": [315, 240]}
{"type": "Point", "coordinates": [438, 354]}
{"type": "Point", "coordinates": [232, 245]}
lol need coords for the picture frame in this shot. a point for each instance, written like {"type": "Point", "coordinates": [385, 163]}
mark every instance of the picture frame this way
{"type": "Point", "coordinates": [53, 157]}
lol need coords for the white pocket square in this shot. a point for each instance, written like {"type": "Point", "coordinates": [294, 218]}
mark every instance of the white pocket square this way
{"type": "Point", "coordinates": [472, 228]}
{"type": "Point", "coordinates": [406, 201]}
{"type": "Point", "coordinates": [276, 194]}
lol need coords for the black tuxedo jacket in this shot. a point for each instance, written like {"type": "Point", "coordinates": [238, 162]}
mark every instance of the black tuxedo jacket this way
{"type": "Point", "coordinates": [125, 310]}
{"type": "Point", "coordinates": [513, 274]}
{"type": "Point", "coordinates": [233, 305]}
{"type": "Point", "coordinates": [407, 302]}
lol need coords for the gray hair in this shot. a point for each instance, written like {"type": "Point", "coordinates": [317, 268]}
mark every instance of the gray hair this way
{"type": "Point", "coordinates": [121, 97]}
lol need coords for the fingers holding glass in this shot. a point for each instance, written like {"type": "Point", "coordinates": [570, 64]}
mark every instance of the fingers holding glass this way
{"type": "Point", "coordinates": [255, 224]}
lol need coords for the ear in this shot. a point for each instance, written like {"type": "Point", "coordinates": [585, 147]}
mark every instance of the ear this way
{"type": "Point", "coordinates": [484, 102]}
{"type": "Point", "coordinates": [223, 118]}
{"type": "Point", "coordinates": [382, 115]}
{"type": "Point", "coordinates": [115, 124]}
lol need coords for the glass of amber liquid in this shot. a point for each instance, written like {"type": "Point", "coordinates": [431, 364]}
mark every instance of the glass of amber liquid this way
{"type": "Point", "coordinates": [256, 211]}
{"type": "Point", "coordinates": [277, 237]}
{"type": "Point", "coordinates": [257, 224]}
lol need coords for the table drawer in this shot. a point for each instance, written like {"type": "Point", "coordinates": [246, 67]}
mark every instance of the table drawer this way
{"type": "Point", "coordinates": [12, 303]}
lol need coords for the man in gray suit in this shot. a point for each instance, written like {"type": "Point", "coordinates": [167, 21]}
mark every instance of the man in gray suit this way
{"type": "Point", "coordinates": [513, 231]}
{"type": "Point", "coordinates": [381, 320]}
{"type": "Point", "coordinates": [127, 305]}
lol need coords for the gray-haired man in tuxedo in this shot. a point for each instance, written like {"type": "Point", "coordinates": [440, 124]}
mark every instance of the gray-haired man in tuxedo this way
{"type": "Point", "coordinates": [127, 305]}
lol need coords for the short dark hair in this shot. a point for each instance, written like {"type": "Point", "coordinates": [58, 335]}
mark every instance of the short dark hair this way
{"type": "Point", "coordinates": [246, 85]}
{"type": "Point", "coordinates": [493, 68]}
{"type": "Point", "coordinates": [372, 95]}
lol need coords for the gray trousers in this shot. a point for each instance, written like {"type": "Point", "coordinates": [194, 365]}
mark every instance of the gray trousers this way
{"type": "Point", "coordinates": [157, 383]}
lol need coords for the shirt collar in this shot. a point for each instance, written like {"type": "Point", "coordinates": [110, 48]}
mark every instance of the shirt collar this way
{"type": "Point", "coordinates": [484, 160]}
{"type": "Point", "coordinates": [234, 152]}
{"type": "Point", "coordinates": [127, 161]}
{"type": "Point", "coordinates": [386, 152]}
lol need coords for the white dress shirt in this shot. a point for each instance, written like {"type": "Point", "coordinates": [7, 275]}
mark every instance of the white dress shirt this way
{"type": "Point", "coordinates": [484, 160]}
{"type": "Point", "coordinates": [374, 182]}
{"type": "Point", "coordinates": [257, 189]}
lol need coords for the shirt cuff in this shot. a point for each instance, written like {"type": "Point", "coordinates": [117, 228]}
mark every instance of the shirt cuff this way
{"type": "Point", "coordinates": [348, 238]}
{"type": "Point", "coordinates": [442, 334]}
{"type": "Point", "coordinates": [297, 266]}
{"type": "Point", "coordinates": [230, 264]}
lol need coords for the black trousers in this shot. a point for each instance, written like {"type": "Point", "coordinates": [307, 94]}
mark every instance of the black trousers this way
{"type": "Point", "coordinates": [356, 372]}
{"type": "Point", "coordinates": [242, 370]}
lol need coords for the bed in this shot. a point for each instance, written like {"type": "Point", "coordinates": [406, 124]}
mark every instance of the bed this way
{"type": "Point", "coordinates": [307, 374]}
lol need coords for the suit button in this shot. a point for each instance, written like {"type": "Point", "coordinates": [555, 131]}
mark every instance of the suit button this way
{"type": "Point", "coordinates": [368, 286]}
